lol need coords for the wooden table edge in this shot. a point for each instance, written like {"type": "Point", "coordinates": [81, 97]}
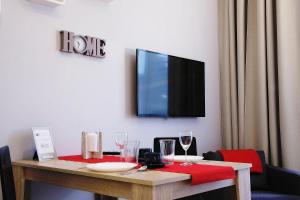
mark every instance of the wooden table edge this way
{"type": "Point", "coordinates": [108, 176]}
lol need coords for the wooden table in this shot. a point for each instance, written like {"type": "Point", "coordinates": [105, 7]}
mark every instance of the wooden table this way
{"type": "Point", "coordinates": [139, 186]}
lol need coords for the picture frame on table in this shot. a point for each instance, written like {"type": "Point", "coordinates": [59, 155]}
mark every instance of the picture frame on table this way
{"type": "Point", "coordinates": [44, 143]}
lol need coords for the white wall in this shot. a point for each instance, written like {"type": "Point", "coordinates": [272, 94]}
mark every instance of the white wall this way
{"type": "Point", "coordinates": [40, 86]}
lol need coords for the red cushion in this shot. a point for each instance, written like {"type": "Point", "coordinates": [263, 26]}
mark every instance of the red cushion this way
{"type": "Point", "coordinates": [244, 156]}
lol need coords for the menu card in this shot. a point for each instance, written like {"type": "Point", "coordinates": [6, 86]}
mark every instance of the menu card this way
{"type": "Point", "coordinates": [43, 142]}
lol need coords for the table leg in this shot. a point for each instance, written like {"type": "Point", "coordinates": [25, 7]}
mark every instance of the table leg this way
{"type": "Point", "coordinates": [162, 192]}
{"type": "Point", "coordinates": [243, 185]}
{"type": "Point", "coordinates": [19, 180]}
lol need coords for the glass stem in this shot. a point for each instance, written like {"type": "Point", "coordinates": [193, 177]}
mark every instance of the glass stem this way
{"type": "Point", "coordinates": [122, 154]}
{"type": "Point", "coordinates": [186, 156]}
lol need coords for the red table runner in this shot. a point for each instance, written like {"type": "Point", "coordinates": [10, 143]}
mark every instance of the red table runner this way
{"type": "Point", "coordinates": [200, 173]}
{"type": "Point", "coordinates": [78, 158]}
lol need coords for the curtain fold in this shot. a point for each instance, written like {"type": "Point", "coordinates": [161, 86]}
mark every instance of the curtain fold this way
{"type": "Point", "coordinates": [257, 78]}
{"type": "Point", "coordinates": [288, 27]}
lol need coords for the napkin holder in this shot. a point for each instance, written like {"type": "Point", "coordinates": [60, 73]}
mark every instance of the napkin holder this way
{"type": "Point", "coordinates": [92, 145]}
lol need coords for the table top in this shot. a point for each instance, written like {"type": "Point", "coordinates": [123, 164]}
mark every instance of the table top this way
{"type": "Point", "coordinates": [149, 177]}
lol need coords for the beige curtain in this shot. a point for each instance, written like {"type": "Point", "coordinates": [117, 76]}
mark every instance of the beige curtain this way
{"type": "Point", "coordinates": [260, 77]}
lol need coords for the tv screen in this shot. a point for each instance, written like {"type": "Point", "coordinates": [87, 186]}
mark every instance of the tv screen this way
{"type": "Point", "coordinates": [169, 86]}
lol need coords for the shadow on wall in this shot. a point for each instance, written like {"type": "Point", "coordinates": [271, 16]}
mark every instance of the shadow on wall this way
{"type": "Point", "coordinates": [42, 9]}
{"type": "Point", "coordinates": [130, 82]}
{"type": "Point", "coordinates": [21, 144]}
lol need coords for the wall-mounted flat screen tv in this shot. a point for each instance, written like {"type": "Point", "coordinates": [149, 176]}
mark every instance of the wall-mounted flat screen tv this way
{"type": "Point", "coordinates": [169, 86]}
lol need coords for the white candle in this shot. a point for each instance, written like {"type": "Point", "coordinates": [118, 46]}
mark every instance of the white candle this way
{"type": "Point", "coordinates": [92, 142]}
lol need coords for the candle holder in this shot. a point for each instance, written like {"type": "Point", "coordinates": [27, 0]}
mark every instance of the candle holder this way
{"type": "Point", "coordinates": [92, 145]}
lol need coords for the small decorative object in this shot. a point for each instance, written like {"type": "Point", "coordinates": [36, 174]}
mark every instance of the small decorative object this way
{"type": "Point", "coordinates": [153, 160]}
{"type": "Point", "coordinates": [142, 152]}
{"type": "Point", "coordinates": [79, 44]}
{"type": "Point", "coordinates": [50, 3]}
{"type": "Point", "coordinates": [43, 142]}
{"type": "Point", "coordinates": [92, 145]}
{"type": "Point", "coordinates": [85, 45]}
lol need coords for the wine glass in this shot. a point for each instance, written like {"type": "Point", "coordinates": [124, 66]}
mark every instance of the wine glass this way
{"type": "Point", "coordinates": [121, 140]}
{"type": "Point", "coordinates": [185, 139]}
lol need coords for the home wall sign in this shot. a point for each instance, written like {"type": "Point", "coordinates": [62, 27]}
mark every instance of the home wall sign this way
{"type": "Point", "coordinates": [85, 45]}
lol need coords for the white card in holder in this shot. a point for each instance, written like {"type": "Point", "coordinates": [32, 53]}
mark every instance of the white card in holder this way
{"type": "Point", "coordinates": [43, 143]}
